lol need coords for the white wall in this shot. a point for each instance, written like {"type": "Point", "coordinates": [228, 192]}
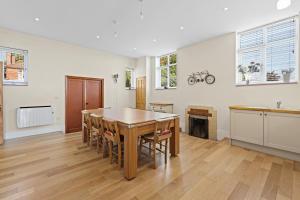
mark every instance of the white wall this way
{"type": "Point", "coordinates": [49, 62]}
{"type": "Point", "coordinates": [218, 56]}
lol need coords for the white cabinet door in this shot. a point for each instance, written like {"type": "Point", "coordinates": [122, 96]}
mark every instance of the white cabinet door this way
{"type": "Point", "coordinates": [282, 131]}
{"type": "Point", "coordinates": [247, 126]}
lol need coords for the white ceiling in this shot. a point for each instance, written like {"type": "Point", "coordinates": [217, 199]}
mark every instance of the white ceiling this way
{"type": "Point", "coordinates": [79, 21]}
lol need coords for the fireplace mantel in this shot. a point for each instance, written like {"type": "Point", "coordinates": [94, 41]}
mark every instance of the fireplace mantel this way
{"type": "Point", "coordinates": [209, 112]}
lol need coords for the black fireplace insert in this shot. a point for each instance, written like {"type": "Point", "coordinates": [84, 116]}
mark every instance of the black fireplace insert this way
{"type": "Point", "coordinates": [198, 126]}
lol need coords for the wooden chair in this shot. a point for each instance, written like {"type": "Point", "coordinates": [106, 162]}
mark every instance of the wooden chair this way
{"type": "Point", "coordinates": [114, 140]}
{"type": "Point", "coordinates": [97, 130]}
{"type": "Point", "coordinates": [162, 134]}
{"type": "Point", "coordinates": [86, 126]}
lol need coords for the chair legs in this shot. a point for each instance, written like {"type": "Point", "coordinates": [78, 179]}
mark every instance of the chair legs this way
{"type": "Point", "coordinates": [110, 151]}
{"type": "Point", "coordinates": [119, 156]}
{"type": "Point", "coordinates": [110, 145]}
{"type": "Point", "coordinates": [152, 150]}
{"type": "Point", "coordinates": [140, 147]}
{"type": "Point", "coordinates": [154, 155]}
{"type": "Point", "coordinates": [104, 146]}
{"type": "Point", "coordinates": [166, 151]}
{"type": "Point", "coordinates": [98, 143]}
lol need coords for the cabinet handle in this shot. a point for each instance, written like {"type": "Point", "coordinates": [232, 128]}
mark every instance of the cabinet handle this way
{"type": "Point", "coordinates": [266, 115]}
{"type": "Point", "coordinates": [260, 114]}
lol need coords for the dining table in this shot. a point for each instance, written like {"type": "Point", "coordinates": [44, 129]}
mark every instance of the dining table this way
{"type": "Point", "coordinates": [132, 124]}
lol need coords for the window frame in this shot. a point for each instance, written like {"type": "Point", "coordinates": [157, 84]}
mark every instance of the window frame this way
{"type": "Point", "coordinates": [158, 69]}
{"type": "Point", "coordinates": [263, 47]}
{"type": "Point", "coordinates": [25, 70]}
{"type": "Point", "coordinates": [133, 79]}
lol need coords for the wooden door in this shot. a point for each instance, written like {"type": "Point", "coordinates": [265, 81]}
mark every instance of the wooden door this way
{"type": "Point", "coordinates": [81, 93]}
{"type": "Point", "coordinates": [281, 131]}
{"type": "Point", "coordinates": [74, 103]}
{"type": "Point", "coordinates": [1, 104]}
{"type": "Point", "coordinates": [93, 92]}
{"type": "Point", "coordinates": [141, 93]}
{"type": "Point", "coordinates": [247, 126]}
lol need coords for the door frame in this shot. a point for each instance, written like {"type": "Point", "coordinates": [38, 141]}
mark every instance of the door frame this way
{"type": "Point", "coordinates": [67, 77]}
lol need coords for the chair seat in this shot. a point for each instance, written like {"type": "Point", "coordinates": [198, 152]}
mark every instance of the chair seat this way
{"type": "Point", "coordinates": [161, 135]}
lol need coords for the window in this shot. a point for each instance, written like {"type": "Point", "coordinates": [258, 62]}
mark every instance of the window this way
{"type": "Point", "coordinates": [268, 54]}
{"type": "Point", "coordinates": [14, 62]}
{"type": "Point", "coordinates": [166, 71]}
{"type": "Point", "coordinates": [129, 79]}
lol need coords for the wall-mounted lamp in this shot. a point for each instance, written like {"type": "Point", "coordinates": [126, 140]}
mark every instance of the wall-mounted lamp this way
{"type": "Point", "coordinates": [115, 77]}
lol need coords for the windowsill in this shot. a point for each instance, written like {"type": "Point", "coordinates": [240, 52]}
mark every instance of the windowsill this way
{"type": "Point", "coordinates": [172, 88]}
{"type": "Point", "coordinates": [266, 83]}
{"type": "Point", "coordinates": [11, 83]}
{"type": "Point", "coordinates": [130, 88]}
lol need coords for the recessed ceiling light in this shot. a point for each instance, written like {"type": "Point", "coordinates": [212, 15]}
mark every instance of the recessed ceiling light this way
{"type": "Point", "coordinates": [154, 40]}
{"type": "Point", "coordinates": [98, 36]}
{"type": "Point", "coordinates": [226, 9]}
{"type": "Point", "coordinates": [37, 19]}
{"type": "Point", "coordinates": [134, 48]}
{"type": "Point", "coordinates": [283, 4]}
{"type": "Point", "coordinates": [115, 34]}
{"type": "Point", "coordinates": [181, 28]}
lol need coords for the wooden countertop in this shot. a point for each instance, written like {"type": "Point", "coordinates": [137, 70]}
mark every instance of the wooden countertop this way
{"type": "Point", "coordinates": [265, 109]}
{"type": "Point", "coordinates": [161, 103]}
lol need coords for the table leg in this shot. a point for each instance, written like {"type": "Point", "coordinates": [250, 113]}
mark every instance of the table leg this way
{"type": "Point", "coordinates": [130, 153]}
{"type": "Point", "coordinates": [174, 140]}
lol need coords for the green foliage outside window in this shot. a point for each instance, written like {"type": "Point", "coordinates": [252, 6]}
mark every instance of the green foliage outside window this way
{"type": "Point", "coordinates": [128, 75]}
{"type": "Point", "coordinates": [168, 71]}
{"type": "Point", "coordinates": [173, 75]}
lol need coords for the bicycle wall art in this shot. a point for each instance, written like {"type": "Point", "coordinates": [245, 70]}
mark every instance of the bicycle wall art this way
{"type": "Point", "coordinates": [200, 77]}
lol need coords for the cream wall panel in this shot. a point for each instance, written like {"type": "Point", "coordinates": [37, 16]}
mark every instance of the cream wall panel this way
{"type": "Point", "coordinates": [218, 56]}
{"type": "Point", "coordinates": [49, 62]}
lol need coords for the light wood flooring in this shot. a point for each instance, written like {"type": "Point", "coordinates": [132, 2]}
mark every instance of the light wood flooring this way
{"type": "Point", "coordinates": [55, 166]}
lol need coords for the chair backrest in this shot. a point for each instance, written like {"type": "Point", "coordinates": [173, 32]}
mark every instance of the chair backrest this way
{"type": "Point", "coordinates": [111, 130]}
{"type": "Point", "coordinates": [86, 118]}
{"type": "Point", "coordinates": [97, 122]}
{"type": "Point", "coordinates": [163, 128]}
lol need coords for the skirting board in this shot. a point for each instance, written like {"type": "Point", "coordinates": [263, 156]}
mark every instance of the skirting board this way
{"type": "Point", "coordinates": [222, 134]}
{"type": "Point", "coordinates": [267, 150]}
{"type": "Point", "coordinates": [33, 131]}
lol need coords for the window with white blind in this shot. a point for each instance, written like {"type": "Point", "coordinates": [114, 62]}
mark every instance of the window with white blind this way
{"type": "Point", "coordinates": [269, 54]}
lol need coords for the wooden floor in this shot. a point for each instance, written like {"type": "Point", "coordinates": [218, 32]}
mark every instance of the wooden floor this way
{"type": "Point", "coordinates": [55, 166]}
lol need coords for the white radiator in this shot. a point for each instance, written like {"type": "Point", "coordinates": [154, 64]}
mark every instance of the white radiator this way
{"type": "Point", "coordinates": [34, 116]}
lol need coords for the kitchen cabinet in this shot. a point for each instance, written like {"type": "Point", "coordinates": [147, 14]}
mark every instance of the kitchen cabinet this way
{"type": "Point", "coordinates": [274, 128]}
{"type": "Point", "coordinates": [247, 126]}
{"type": "Point", "coordinates": [282, 131]}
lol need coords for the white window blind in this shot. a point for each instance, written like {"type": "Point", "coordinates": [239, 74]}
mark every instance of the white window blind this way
{"type": "Point", "coordinates": [268, 54]}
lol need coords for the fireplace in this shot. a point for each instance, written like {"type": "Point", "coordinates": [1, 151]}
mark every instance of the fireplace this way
{"type": "Point", "coordinates": [198, 126]}
{"type": "Point", "coordinates": [201, 122]}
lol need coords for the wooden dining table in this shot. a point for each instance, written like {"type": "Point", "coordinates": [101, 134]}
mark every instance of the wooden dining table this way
{"type": "Point", "coordinates": [132, 124]}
